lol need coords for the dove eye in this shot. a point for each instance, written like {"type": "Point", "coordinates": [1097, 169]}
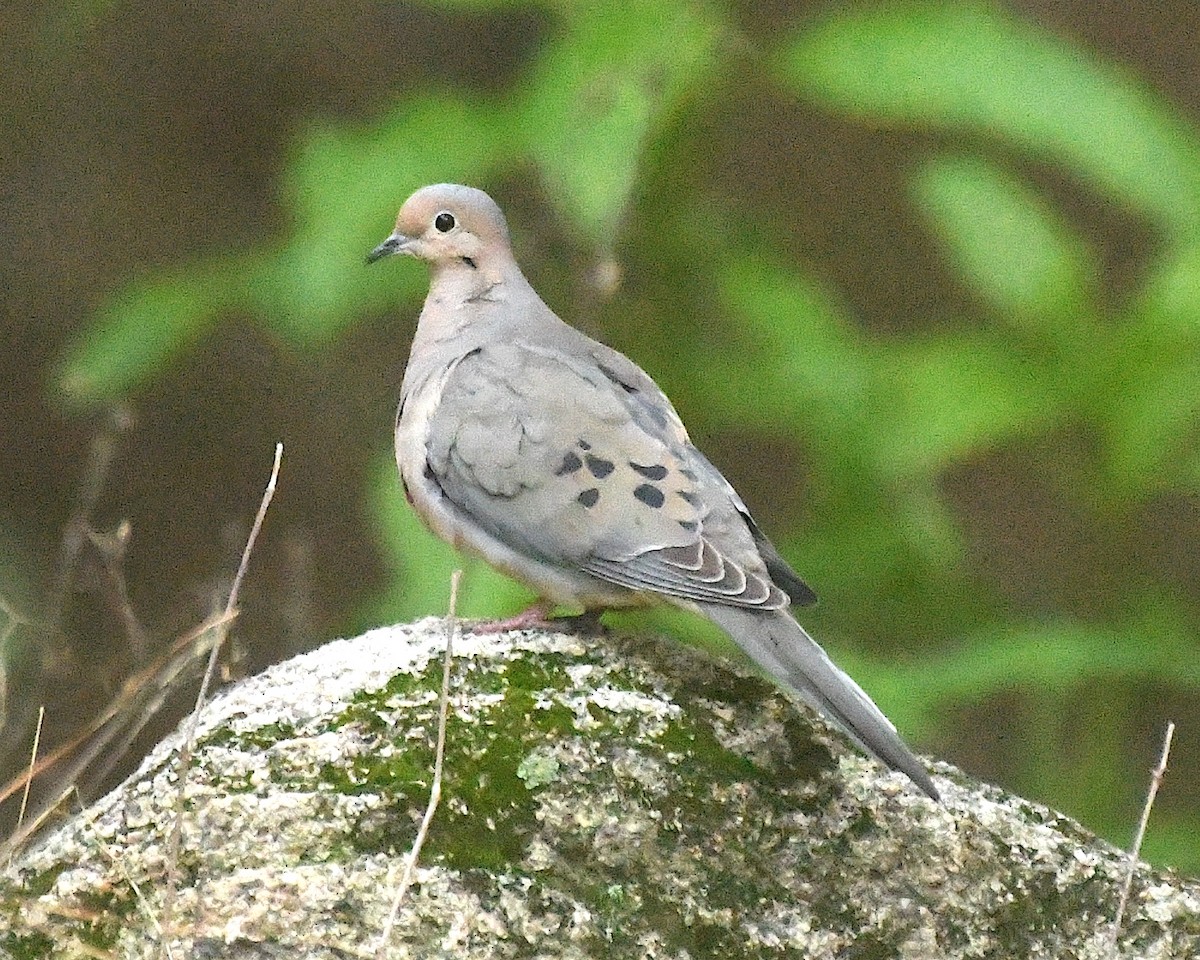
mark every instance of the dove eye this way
{"type": "Point", "coordinates": [444, 222]}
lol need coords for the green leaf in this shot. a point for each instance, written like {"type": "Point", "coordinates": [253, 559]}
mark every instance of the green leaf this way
{"type": "Point", "coordinates": [140, 332]}
{"type": "Point", "coordinates": [912, 407]}
{"type": "Point", "coordinates": [1045, 659]}
{"type": "Point", "coordinates": [1153, 433]}
{"type": "Point", "coordinates": [1005, 241]}
{"type": "Point", "coordinates": [598, 91]}
{"type": "Point", "coordinates": [942, 398]}
{"type": "Point", "coordinates": [975, 69]}
{"type": "Point", "coordinates": [805, 361]}
{"type": "Point", "coordinates": [1170, 300]}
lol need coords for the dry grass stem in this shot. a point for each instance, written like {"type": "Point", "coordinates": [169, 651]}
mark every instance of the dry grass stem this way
{"type": "Point", "coordinates": [122, 719]}
{"type": "Point", "coordinates": [175, 840]}
{"type": "Point", "coordinates": [435, 789]}
{"type": "Point", "coordinates": [46, 810]}
{"type": "Point", "coordinates": [33, 754]}
{"type": "Point", "coordinates": [1156, 779]}
{"type": "Point", "coordinates": [11, 622]}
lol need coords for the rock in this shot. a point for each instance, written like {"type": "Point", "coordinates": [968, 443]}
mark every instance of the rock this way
{"type": "Point", "coordinates": [602, 798]}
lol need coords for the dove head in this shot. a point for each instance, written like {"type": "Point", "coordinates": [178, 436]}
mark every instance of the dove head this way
{"type": "Point", "coordinates": [449, 226]}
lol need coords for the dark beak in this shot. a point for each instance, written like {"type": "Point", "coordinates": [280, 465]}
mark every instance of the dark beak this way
{"type": "Point", "coordinates": [392, 245]}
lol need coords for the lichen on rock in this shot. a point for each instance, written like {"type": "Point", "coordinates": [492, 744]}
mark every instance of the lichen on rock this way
{"type": "Point", "coordinates": [601, 798]}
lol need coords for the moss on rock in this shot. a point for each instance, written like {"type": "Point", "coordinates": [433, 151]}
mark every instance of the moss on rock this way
{"type": "Point", "coordinates": [612, 798]}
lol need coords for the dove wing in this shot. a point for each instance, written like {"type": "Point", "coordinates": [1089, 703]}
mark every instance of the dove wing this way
{"type": "Point", "coordinates": [566, 461]}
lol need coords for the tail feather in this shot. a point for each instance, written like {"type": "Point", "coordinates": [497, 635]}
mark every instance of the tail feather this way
{"type": "Point", "coordinates": [780, 646]}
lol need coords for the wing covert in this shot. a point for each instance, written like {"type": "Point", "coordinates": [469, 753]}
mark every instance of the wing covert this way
{"type": "Point", "coordinates": [554, 458]}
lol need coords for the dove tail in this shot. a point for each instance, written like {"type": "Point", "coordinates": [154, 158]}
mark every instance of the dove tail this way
{"type": "Point", "coordinates": [781, 647]}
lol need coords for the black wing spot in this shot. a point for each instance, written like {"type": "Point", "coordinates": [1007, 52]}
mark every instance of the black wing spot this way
{"type": "Point", "coordinates": [589, 497]}
{"type": "Point", "coordinates": [650, 495]}
{"type": "Point", "coordinates": [584, 445]}
{"type": "Point", "coordinates": [655, 472]}
{"type": "Point", "coordinates": [612, 375]}
{"type": "Point", "coordinates": [599, 467]}
{"type": "Point", "coordinates": [570, 464]}
{"type": "Point", "coordinates": [687, 474]}
{"type": "Point", "coordinates": [688, 496]}
{"type": "Point", "coordinates": [691, 526]}
{"type": "Point", "coordinates": [432, 478]}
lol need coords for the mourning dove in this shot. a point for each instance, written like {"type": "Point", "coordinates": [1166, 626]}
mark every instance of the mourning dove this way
{"type": "Point", "coordinates": [561, 463]}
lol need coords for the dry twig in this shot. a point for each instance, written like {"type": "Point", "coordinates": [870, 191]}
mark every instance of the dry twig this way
{"type": "Point", "coordinates": [104, 448]}
{"type": "Point", "coordinates": [112, 548]}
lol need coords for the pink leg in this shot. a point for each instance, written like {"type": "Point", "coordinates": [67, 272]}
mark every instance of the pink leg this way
{"type": "Point", "coordinates": [537, 615]}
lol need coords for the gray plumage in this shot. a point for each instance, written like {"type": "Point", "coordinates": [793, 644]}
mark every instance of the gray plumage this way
{"type": "Point", "coordinates": [560, 462]}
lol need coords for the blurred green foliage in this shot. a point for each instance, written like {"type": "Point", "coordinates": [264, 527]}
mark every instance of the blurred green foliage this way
{"type": "Point", "coordinates": [881, 420]}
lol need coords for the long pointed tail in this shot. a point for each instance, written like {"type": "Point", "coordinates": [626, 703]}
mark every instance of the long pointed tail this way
{"type": "Point", "coordinates": [779, 645]}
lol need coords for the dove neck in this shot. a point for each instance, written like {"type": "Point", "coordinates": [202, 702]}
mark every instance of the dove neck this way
{"type": "Point", "coordinates": [468, 309]}
{"type": "Point", "coordinates": [462, 280]}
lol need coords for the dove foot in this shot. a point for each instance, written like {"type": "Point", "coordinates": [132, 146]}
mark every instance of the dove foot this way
{"type": "Point", "coordinates": [587, 623]}
{"type": "Point", "coordinates": [538, 617]}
